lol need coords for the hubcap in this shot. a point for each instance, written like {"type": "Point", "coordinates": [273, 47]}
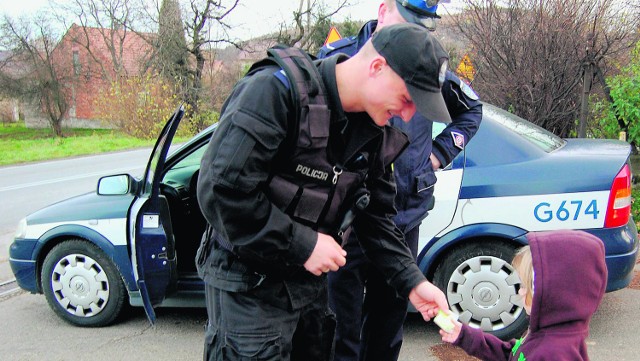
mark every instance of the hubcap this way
{"type": "Point", "coordinates": [80, 285]}
{"type": "Point", "coordinates": [482, 290]}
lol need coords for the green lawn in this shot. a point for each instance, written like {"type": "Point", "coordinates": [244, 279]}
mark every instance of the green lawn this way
{"type": "Point", "coordinates": [19, 144]}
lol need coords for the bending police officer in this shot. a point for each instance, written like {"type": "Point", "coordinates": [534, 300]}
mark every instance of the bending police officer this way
{"type": "Point", "coordinates": [268, 247]}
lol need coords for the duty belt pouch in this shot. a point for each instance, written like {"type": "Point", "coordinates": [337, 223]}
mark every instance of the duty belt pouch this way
{"type": "Point", "coordinates": [221, 268]}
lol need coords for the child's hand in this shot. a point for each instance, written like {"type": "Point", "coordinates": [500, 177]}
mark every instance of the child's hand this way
{"type": "Point", "coordinates": [452, 335]}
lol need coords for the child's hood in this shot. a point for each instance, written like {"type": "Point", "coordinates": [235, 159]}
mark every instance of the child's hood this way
{"type": "Point", "coordinates": [570, 279]}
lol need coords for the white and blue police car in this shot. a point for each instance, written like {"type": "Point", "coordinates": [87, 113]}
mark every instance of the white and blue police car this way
{"type": "Point", "coordinates": [134, 240]}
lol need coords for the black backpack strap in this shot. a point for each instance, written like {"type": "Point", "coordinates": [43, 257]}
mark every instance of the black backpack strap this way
{"type": "Point", "coordinates": [307, 86]}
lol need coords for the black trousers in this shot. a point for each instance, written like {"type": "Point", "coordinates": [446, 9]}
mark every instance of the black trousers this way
{"type": "Point", "coordinates": [369, 324]}
{"type": "Point", "coordinates": [241, 326]}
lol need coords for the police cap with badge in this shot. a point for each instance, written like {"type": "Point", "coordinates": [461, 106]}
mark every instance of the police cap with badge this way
{"type": "Point", "coordinates": [421, 12]}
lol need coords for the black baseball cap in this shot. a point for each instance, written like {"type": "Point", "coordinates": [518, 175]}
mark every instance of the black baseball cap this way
{"type": "Point", "coordinates": [421, 61]}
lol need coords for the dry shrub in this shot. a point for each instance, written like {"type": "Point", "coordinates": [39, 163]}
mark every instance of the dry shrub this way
{"type": "Point", "coordinates": [139, 106]}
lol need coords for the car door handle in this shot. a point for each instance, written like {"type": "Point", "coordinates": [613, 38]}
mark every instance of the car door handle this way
{"type": "Point", "coordinates": [162, 255]}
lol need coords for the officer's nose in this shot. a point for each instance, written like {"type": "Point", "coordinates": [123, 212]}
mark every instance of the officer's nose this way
{"type": "Point", "coordinates": [407, 112]}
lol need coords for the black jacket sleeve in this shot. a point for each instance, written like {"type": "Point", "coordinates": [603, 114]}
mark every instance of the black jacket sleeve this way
{"type": "Point", "coordinates": [382, 241]}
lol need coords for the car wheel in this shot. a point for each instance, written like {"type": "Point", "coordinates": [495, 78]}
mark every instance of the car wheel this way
{"type": "Point", "coordinates": [482, 287]}
{"type": "Point", "coordinates": [82, 285]}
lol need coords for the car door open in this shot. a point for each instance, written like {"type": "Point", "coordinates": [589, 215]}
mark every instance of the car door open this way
{"type": "Point", "coordinates": [152, 240]}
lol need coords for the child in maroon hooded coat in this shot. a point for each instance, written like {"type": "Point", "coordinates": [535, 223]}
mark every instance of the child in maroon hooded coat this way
{"type": "Point", "coordinates": [564, 277]}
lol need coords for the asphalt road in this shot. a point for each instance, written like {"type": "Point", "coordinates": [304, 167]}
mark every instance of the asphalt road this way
{"type": "Point", "coordinates": [31, 331]}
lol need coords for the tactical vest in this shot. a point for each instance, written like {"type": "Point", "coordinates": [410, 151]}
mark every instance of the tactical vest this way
{"type": "Point", "coordinates": [304, 183]}
{"type": "Point", "coordinates": [308, 186]}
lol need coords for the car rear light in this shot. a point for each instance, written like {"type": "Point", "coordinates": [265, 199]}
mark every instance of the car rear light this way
{"type": "Point", "coordinates": [619, 208]}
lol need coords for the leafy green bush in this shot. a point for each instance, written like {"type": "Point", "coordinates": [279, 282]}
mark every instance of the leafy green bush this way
{"type": "Point", "coordinates": [604, 124]}
{"type": "Point", "coordinates": [625, 92]}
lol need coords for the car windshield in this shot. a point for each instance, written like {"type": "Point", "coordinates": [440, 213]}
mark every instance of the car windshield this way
{"type": "Point", "coordinates": [529, 131]}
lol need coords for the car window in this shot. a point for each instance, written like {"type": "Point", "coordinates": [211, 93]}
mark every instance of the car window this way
{"type": "Point", "coordinates": [182, 171]}
{"type": "Point", "coordinates": [529, 131]}
{"type": "Point", "coordinates": [191, 160]}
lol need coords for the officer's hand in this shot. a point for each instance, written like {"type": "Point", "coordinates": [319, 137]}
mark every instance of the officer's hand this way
{"type": "Point", "coordinates": [327, 256]}
{"type": "Point", "coordinates": [435, 162]}
{"type": "Point", "coordinates": [428, 299]}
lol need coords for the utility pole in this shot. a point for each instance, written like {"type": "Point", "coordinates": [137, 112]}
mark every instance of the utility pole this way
{"type": "Point", "coordinates": [586, 89]}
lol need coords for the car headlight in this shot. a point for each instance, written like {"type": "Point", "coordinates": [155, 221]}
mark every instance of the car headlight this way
{"type": "Point", "coordinates": [21, 232]}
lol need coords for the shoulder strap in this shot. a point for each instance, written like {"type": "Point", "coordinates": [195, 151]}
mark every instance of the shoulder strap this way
{"type": "Point", "coordinates": [307, 86]}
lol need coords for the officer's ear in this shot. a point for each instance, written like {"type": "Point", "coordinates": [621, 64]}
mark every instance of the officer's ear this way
{"type": "Point", "coordinates": [376, 65]}
{"type": "Point", "coordinates": [382, 11]}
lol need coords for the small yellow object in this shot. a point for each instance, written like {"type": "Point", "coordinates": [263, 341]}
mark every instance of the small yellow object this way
{"type": "Point", "coordinates": [444, 321]}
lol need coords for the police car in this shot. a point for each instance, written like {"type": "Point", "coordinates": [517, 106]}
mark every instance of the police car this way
{"type": "Point", "coordinates": [134, 240]}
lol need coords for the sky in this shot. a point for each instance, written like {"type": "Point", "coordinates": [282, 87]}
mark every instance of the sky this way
{"type": "Point", "coordinates": [250, 19]}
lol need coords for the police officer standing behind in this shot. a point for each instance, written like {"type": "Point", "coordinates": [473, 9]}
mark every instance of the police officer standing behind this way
{"type": "Point", "coordinates": [372, 329]}
{"type": "Point", "coordinates": [275, 184]}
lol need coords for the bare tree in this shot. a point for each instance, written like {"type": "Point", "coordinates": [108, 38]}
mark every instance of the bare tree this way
{"type": "Point", "coordinates": [537, 58]}
{"type": "Point", "coordinates": [207, 29]}
{"type": "Point", "coordinates": [204, 26]}
{"type": "Point", "coordinates": [204, 16]}
{"type": "Point", "coordinates": [163, 24]}
{"type": "Point", "coordinates": [310, 23]}
{"type": "Point", "coordinates": [31, 70]}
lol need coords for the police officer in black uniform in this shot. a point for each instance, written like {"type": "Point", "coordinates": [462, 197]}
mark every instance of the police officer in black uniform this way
{"type": "Point", "coordinates": [274, 204]}
{"type": "Point", "coordinates": [370, 323]}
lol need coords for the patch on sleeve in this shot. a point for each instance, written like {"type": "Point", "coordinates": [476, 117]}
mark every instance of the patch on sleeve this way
{"type": "Point", "coordinates": [282, 76]}
{"type": "Point", "coordinates": [468, 91]}
{"type": "Point", "coordinates": [458, 139]}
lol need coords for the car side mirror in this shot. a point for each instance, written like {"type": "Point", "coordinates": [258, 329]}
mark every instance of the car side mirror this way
{"type": "Point", "coordinates": [115, 185]}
